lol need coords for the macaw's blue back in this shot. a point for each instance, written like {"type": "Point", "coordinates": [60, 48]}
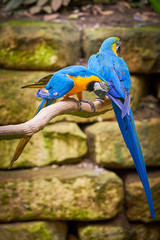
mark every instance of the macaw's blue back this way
{"type": "Point", "coordinates": [114, 70]}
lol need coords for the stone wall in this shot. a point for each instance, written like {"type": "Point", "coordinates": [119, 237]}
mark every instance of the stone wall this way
{"type": "Point", "coordinates": [75, 179]}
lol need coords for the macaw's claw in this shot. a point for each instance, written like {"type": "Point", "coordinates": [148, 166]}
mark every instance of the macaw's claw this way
{"type": "Point", "coordinates": [74, 100]}
{"type": "Point", "coordinates": [90, 103]}
{"type": "Point", "coordinates": [99, 100]}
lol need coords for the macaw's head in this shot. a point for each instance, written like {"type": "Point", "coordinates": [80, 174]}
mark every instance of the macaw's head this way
{"type": "Point", "coordinates": [112, 43]}
{"type": "Point", "coordinates": [100, 88]}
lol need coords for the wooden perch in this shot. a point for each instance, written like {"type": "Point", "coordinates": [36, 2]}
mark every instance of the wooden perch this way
{"type": "Point", "coordinates": [46, 114]}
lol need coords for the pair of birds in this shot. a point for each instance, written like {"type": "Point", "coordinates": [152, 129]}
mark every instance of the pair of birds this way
{"type": "Point", "coordinates": [107, 75]}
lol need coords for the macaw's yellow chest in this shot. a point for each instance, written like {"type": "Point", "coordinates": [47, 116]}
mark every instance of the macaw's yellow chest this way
{"type": "Point", "coordinates": [80, 83]}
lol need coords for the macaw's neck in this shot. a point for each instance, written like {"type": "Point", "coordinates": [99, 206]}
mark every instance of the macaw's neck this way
{"type": "Point", "coordinates": [108, 49]}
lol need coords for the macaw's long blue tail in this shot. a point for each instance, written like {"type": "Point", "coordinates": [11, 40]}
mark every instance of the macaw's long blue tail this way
{"type": "Point", "coordinates": [129, 132]}
{"type": "Point", "coordinates": [23, 142]}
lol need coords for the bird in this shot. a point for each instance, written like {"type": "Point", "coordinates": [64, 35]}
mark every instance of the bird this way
{"type": "Point", "coordinates": [63, 83]}
{"type": "Point", "coordinates": [114, 70]}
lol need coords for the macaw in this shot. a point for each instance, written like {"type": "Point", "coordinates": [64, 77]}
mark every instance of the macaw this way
{"type": "Point", "coordinates": [114, 70]}
{"type": "Point", "coordinates": [63, 83]}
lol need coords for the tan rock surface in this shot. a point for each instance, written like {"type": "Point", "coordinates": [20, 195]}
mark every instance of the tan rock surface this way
{"type": "Point", "coordinates": [66, 193]}
{"type": "Point", "coordinates": [107, 147]}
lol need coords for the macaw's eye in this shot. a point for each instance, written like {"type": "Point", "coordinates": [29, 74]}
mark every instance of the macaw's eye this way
{"type": "Point", "coordinates": [118, 47]}
{"type": "Point", "coordinates": [104, 86]}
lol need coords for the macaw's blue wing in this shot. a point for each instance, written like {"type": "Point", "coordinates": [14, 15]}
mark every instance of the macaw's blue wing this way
{"type": "Point", "coordinates": [123, 73]}
{"type": "Point", "coordinates": [115, 82]}
{"type": "Point", "coordinates": [128, 129]}
{"type": "Point", "coordinates": [23, 142]}
{"type": "Point", "coordinates": [59, 85]}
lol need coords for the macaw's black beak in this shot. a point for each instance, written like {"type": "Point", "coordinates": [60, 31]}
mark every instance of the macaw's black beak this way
{"type": "Point", "coordinates": [100, 89]}
{"type": "Point", "coordinates": [118, 47]}
{"type": "Point", "coordinates": [101, 94]}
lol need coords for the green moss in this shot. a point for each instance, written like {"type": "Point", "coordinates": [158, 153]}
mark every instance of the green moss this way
{"type": "Point", "coordinates": [82, 214]}
{"type": "Point", "coordinates": [101, 232]}
{"type": "Point", "coordinates": [118, 153]}
{"type": "Point", "coordinates": [16, 22]}
{"type": "Point", "coordinates": [4, 197]}
{"type": "Point", "coordinates": [67, 137]}
{"type": "Point", "coordinates": [39, 230]}
{"type": "Point", "coordinates": [42, 55]}
{"type": "Point", "coordinates": [88, 230]}
{"type": "Point", "coordinates": [34, 230]}
{"type": "Point", "coordinates": [38, 45]}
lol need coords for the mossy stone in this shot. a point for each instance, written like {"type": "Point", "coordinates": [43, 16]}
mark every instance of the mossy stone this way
{"type": "Point", "coordinates": [149, 231]}
{"type": "Point", "coordinates": [102, 232]}
{"type": "Point", "coordinates": [33, 231]}
{"type": "Point", "coordinates": [18, 105]}
{"type": "Point", "coordinates": [107, 147]}
{"type": "Point", "coordinates": [66, 142]}
{"type": "Point", "coordinates": [66, 193]}
{"type": "Point", "coordinates": [136, 202]}
{"type": "Point", "coordinates": [38, 45]}
{"type": "Point", "coordinates": [60, 143]}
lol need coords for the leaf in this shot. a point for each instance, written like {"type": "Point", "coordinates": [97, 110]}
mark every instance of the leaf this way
{"type": "Point", "coordinates": [96, 9]}
{"type": "Point", "coordinates": [34, 10]}
{"type": "Point", "coordinates": [28, 2]}
{"type": "Point", "coordinates": [13, 4]}
{"type": "Point", "coordinates": [66, 2]}
{"type": "Point", "coordinates": [41, 3]}
{"type": "Point", "coordinates": [50, 17]}
{"type": "Point", "coordinates": [29, 15]}
{"type": "Point", "coordinates": [82, 14]}
{"type": "Point", "coordinates": [73, 16]}
{"type": "Point", "coordinates": [56, 4]}
{"type": "Point", "coordinates": [109, 12]}
{"type": "Point", "coordinates": [156, 5]}
{"type": "Point", "coordinates": [47, 9]}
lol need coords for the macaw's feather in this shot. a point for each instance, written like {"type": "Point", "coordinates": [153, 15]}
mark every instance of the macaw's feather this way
{"type": "Point", "coordinates": [59, 85]}
{"type": "Point", "coordinates": [21, 145]}
{"type": "Point", "coordinates": [116, 101]}
{"type": "Point", "coordinates": [126, 106]}
{"type": "Point", "coordinates": [129, 132]}
{"type": "Point", "coordinates": [23, 142]}
{"type": "Point", "coordinates": [41, 83]}
{"type": "Point", "coordinates": [63, 83]}
{"type": "Point", "coordinates": [115, 71]}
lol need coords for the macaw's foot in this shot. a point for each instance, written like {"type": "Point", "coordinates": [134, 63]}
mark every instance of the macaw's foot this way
{"type": "Point", "coordinates": [74, 100]}
{"type": "Point", "coordinates": [90, 103]}
{"type": "Point", "coordinates": [100, 100]}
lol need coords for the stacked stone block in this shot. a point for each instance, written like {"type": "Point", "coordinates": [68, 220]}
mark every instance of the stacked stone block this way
{"type": "Point", "coordinates": [75, 180]}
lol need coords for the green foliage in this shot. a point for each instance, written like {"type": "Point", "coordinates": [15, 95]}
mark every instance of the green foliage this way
{"type": "Point", "coordinates": [156, 5]}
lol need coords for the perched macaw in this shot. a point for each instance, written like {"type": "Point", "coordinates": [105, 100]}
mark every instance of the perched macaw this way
{"type": "Point", "coordinates": [64, 83]}
{"type": "Point", "coordinates": [114, 70]}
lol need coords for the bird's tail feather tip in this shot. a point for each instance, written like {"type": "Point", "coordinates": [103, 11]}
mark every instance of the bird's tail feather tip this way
{"type": "Point", "coordinates": [10, 165]}
{"type": "Point", "coordinates": [12, 161]}
{"type": "Point", "coordinates": [153, 215]}
{"type": "Point", "coordinates": [21, 145]}
{"type": "Point", "coordinates": [152, 210]}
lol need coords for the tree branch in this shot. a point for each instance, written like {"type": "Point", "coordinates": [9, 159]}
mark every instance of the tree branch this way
{"type": "Point", "coordinates": [46, 114]}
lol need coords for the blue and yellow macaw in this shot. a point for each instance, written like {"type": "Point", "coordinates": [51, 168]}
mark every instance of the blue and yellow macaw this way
{"type": "Point", "coordinates": [64, 83]}
{"type": "Point", "coordinates": [114, 70]}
